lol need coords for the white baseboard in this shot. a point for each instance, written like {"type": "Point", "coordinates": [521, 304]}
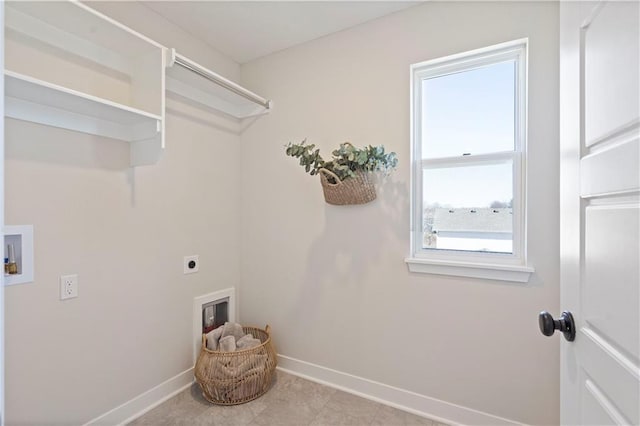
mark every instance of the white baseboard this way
{"type": "Point", "coordinates": [402, 399]}
{"type": "Point", "coordinates": [146, 401]}
{"type": "Point", "coordinates": [405, 400]}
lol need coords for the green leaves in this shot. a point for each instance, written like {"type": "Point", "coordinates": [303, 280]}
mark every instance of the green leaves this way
{"type": "Point", "coordinates": [362, 158]}
{"type": "Point", "coordinates": [309, 159]}
{"type": "Point", "coordinates": [347, 159]}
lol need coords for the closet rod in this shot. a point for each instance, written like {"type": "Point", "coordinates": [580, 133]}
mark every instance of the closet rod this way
{"type": "Point", "coordinates": [221, 81]}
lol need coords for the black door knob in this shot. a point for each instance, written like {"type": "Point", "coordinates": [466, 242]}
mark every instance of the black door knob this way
{"type": "Point", "coordinates": [565, 324]}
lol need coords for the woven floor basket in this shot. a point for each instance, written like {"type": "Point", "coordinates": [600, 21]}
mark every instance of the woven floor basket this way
{"type": "Point", "coordinates": [354, 190]}
{"type": "Point", "coordinates": [230, 378]}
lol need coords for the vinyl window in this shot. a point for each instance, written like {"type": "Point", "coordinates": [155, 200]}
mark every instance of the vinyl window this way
{"type": "Point", "coordinates": [469, 164]}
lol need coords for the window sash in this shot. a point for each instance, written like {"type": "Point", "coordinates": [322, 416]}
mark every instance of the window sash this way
{"type": "Point", "coordinates": [469, 61]}
{"type": "Point", "coordinates": [517, 51]}
{"type": "Point", "coordinates": [469, 160]}
{"type": "Point", "coordinates": [517, 225]}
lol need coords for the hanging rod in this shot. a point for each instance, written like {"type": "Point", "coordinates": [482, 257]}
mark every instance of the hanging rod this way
{"type": "Point", "coordinates": [176, 58]}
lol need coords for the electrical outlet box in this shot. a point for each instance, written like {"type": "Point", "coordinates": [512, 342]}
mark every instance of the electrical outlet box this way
{"type": "Point", "coordinates": [191, 264]}
{"type": "Point", "coordinates": [68, 286]}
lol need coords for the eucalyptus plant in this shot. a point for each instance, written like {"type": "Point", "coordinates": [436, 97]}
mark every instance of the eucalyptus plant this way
{"type": "Point", "coordinates": [345, 161]}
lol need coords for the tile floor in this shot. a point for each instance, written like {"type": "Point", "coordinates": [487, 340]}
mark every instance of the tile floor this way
{"type": "Point", "coordinates": [291, 401]}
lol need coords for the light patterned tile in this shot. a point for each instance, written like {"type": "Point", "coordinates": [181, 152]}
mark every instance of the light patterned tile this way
{"type": "Point", "coordinates": [290, 401]}
{"type": "Point", "coordinates": [280, 382]}
{"type": "Point", "coordinates": [226, 415]}
{"type": "Point", "coordinates": [337, 418]}
{"type": "Point", "coordinates": [389, 416]}
{"type": "Point", "coordinates": [178, 410]}
{"type": "Point", "coordinates": [286, 413]}
{"type": "Point", "coordinates": [204, 419]}
{"type": "Point", "coordinates": [346, 409]}
{"type": "Point", "coordinates": [258, 405]}
{"type": "Point", "coordinates": [304, 392]}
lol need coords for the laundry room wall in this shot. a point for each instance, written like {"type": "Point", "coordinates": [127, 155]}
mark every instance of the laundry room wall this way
{"type": "Point", "coordinates": [124, 231]}
{"type": "Point", "coordinates": [332, 281]}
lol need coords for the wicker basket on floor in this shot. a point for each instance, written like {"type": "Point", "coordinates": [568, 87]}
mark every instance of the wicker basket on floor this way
{"type": "Point", "coordinates": [230, 378]}
{"type": "Point", "coordinates": [357, 189]}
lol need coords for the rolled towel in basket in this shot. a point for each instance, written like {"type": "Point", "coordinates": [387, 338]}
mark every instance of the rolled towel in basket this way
{"type": "Point", "coordinates": [213, 337]}
{"type": "Point", "coordinates": [237, 367]}
{"type": "Point", "coordinates": [232, 329]}
{"type": "Point", "coordinates": [227, 344]}
{"type": "Point", "coordinates": [248, 341]}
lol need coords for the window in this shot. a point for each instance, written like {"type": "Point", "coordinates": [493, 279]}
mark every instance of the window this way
{"type": "Point", "coordinates": [469, 157]}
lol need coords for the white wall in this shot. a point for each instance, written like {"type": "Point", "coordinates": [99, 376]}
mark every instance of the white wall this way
{"type": "Point", "coordinates": [331, 280]}
{"type": "Point", "coordinates": [155, 26]}
{"type": "Point", "coordinates": [125, 234]}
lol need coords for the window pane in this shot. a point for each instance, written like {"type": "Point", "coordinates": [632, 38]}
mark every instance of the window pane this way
{"type": "Point", "coordinates": [470, 112]}
{"type": "Point", "coordinates": [468, 208]}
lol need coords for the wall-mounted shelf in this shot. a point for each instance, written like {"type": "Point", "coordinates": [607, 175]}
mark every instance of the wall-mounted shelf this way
{"type": "Point", "coordinates": [197, 83]}
{"type": "Point", "coordinates": [34, 100]}
{"type": "Point", "coordinates": [71, 67]}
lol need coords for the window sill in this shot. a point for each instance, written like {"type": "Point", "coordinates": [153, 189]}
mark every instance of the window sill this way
{"type": "Point", "coordinates": [485, 271]}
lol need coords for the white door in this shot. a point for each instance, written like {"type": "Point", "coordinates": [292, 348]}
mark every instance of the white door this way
{"type": "Point", "coordinates": [600, 216]}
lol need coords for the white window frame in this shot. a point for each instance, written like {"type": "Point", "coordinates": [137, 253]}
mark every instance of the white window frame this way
{"type": "Point", "coordinates": [487, 265]}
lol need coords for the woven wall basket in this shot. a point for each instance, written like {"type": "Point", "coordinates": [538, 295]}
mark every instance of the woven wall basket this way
{"type": "Point", "coordinates": [230, 378]}
{"type": "Point", "coordinates": [354, 190]}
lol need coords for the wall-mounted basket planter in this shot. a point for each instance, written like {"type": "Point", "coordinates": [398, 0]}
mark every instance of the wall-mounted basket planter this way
{"type": "Point", "coordinates": [346, 178]}
{"type": "Point", "coordinates": [353, 190]}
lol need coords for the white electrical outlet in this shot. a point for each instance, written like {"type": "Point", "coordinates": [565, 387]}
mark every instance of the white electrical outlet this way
{"type": "Point", "coordinates": [191, 264]}
{"type": "Point", "coordinates": [68, 286]}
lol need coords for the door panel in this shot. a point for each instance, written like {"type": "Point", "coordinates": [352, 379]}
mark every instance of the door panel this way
{"type": "Point", "coordinates": [600, 211]}
{"type": "Point", "coordinates": [610, 303]}
{"type": "Point", "coordinates": [596, 176]}
{"type": "Point", "coordinates": [613, 372]}
{"type": "Point", "coordinates": [598, 410]}
{"type": "Point", "coordinates": [611, 78]}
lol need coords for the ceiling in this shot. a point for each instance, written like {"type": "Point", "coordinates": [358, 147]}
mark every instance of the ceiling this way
{"type": "Point", "coordinates": [246, 30]}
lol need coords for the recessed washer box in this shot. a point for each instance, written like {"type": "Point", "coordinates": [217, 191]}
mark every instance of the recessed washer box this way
{"type": "Point", "coordinates": [21, 236]}
{"type": "Point", "coordinates": [205, 308]}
